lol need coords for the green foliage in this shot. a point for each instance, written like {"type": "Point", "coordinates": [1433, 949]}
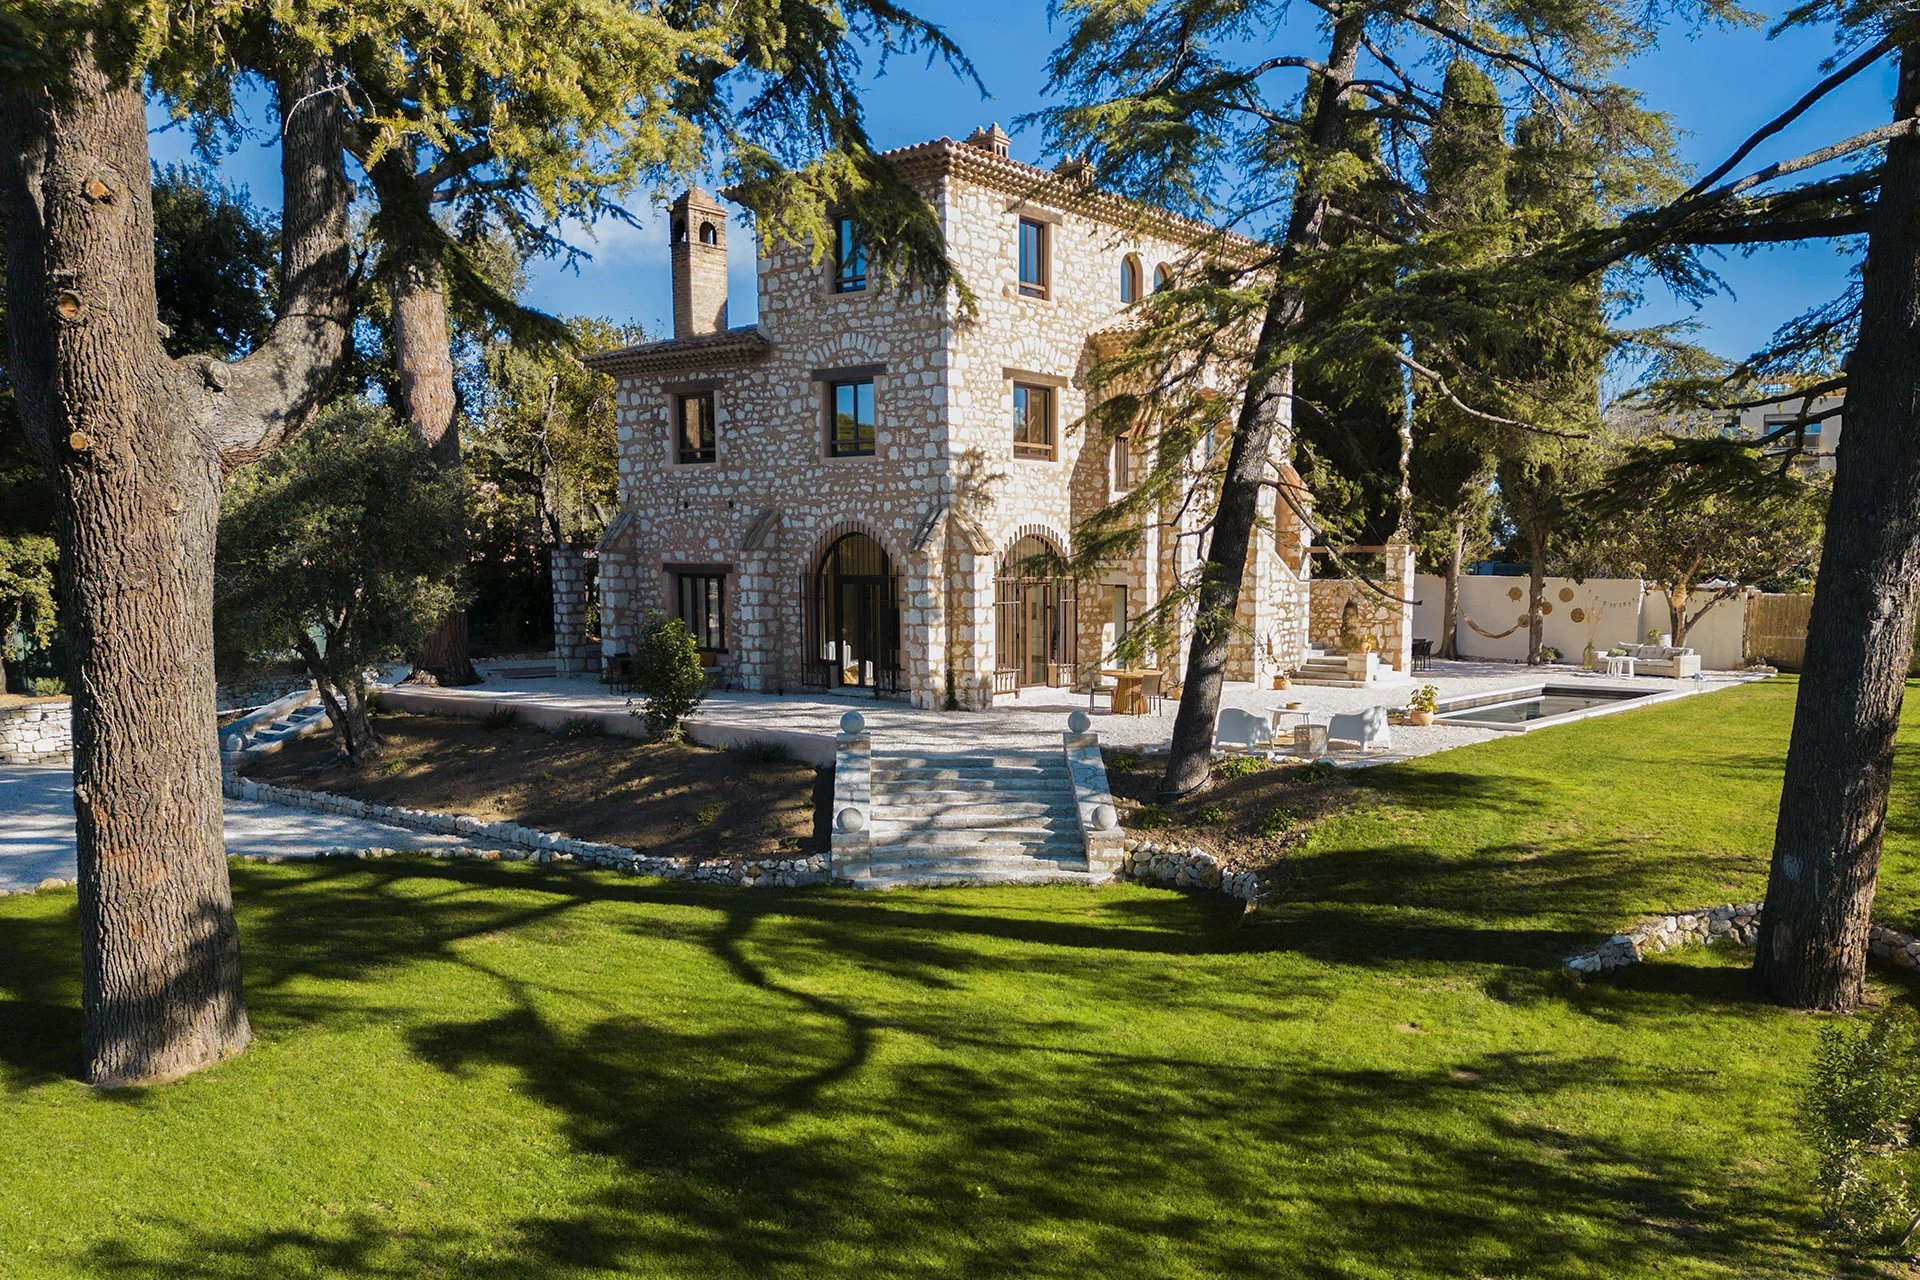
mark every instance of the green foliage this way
{"type": "Point", "coordinates": [1858, 1109]}
{"type": "Point", "coordinates": [1122, 761]}
{"type": "Point", "coordinates": [1239, 766]}
{"type": "Point", "coordinates": [1278, 822]}
{"type": "Point", "coordinates": [216, 259]}
{"type": "Point", "coordinates": [1149, 817]}
{"type": "Point", "coordinates": [46, 687]}
{"type": "Point", "coordinates": [1315, 771]}
{"type": "Point", "coordinates": [342, 546]}
{"type": "Point", "coordinates": [708, 813]}
{"type": "Point", "coordinates": [667, 673]}
{"type": "Point", "coordinates": [27, 563]}
{"type": "Point", "coordinates": [1426, 698]}
{"type": "Point", "coordinates": [500, 718]}
{"type": "Point", "coordinates": [582, 727]}
{"type": "Point", "coordinates": [764, 751]}
{"type": "Point", "coordinates": [1209, 815]}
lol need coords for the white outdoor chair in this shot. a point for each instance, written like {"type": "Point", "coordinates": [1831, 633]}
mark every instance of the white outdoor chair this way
{"type": "Point", "coordinates": [1243, 730]}
{"type": "Point", "coordinates": [1366, 729]}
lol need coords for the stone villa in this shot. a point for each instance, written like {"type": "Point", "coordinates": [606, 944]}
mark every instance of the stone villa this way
{"type": "Point", "coordinates": [849, 494]}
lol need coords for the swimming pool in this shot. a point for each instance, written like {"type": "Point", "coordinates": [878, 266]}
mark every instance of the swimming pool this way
{"type": "Point", "coordinates": [1536, 706]}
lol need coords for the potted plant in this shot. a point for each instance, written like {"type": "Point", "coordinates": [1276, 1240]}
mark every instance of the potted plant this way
{"type": "Point", "coordinates": [1283, 679]}
{"type": "Point", "coordinates": [1426, 701]}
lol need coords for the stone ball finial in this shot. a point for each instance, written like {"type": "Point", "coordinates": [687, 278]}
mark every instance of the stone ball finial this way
{"type": "Point", "coordinates": [1104, 818]}
{"type": "Point", "coordinates": [853, 722]}
{"type": "Point", "coordinates": [1079, 722]}
{"type": "Point", "coordinates": [235, 741]}
{"type": "Point", "coordinates": [850, 820]}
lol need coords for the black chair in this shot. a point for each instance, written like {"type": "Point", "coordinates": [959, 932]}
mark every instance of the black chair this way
{"type": "Point", "coordinates": [1422, 655]}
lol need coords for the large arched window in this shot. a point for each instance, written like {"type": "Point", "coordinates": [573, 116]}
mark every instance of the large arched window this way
{"type": "Point", "coordinates": [1034, 618]}
{"type": "Point", "coordinates": [1162, 277]}
{"type": "Point", "coordinates": [709, 234]}
{"type": "Point", "coordinates": [1130, 278]}
{"type": "Point", "coordinates": [853, 618]}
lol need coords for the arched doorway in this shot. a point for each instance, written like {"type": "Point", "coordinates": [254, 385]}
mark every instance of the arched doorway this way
{"type": "Point", "coordinates": [1034, 629]}
{"type": "Point", "coordinates": [853, 619]}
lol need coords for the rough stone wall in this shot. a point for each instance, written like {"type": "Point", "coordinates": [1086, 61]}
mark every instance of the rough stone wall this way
{"type": "Point", "coordinates": [37, 733]}
{"type": "Point", "coordinates": [943, 494]}
{"type": "Point", "coordinates": [568, 566]}
{"type": "Point", "coordinates": [1390, 623]}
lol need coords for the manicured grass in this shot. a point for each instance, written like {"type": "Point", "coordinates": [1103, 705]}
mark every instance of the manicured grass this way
{"type": "Point", "coordinates": [485, 1070]}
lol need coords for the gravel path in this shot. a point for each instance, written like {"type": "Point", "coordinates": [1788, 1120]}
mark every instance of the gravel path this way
{"type": "Point", "coordinates": [36, 828]}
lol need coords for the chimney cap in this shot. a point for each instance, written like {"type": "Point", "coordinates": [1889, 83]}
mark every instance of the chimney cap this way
{"type": "Point", "coordinates": [990, 137]}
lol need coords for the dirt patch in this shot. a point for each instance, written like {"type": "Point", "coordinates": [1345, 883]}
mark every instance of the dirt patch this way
{"type": "Point", "coordinates": [1252, 813]}
{"type": "Point", "coordinates": [660, 798]}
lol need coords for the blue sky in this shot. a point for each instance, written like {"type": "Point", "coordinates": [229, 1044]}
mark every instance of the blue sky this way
{"type": "Point", "coordinates": [1718, 85]}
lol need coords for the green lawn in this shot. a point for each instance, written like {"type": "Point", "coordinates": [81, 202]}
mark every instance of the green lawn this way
{"type": "Point", "coordinates": [485, 1070]}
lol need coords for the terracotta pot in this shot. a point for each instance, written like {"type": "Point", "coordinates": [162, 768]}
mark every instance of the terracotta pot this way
{"type": "Point", "coordinates": [1420, 717]}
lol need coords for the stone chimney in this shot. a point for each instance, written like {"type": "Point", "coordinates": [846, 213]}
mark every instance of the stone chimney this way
{"type": "Point", "coordinates": [990, 137]}
{"type": "Point", "coordinates": [698, 230]}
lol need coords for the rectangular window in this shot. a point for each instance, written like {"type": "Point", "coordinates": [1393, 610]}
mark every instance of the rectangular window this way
{"type": "Point", "coordinates": [850, 410]}
{"type": "Point", "coordinates": [1122, 465]}
{"type": "Point", "coordinates": [703, 607]}
{"type": "Point", "coordinates": [1120, 619]}
{"type": "Point", "coordinates": [1033, 258]}
{"type": "Point", "coordinates": [696, 433]}
{"type": "Point", "coordinates": [1032, 421]}
{"type": "Point", "coordinates": [849, 257]}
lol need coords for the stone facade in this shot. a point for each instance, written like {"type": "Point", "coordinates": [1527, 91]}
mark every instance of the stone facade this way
{"type": "Point", "coordinates": [937, 608]}
{"type": "Point", "coordinates": [1382, 616]}
{"type": "Point", "coordinates": [37, 733]}
{"type": "Point", "coordinates": [571, 651]}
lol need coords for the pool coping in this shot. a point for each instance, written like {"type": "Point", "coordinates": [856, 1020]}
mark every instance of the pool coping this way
{"type": "Point", "coordinates": [1493, 697]}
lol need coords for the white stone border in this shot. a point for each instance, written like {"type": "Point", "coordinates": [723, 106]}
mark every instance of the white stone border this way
{"type": "Point", "coordinates": [527, 844]}
{"type": "Point", "coordinates": [1148, 863]}
{"type": "Point", "coordinates": [1735, 921]}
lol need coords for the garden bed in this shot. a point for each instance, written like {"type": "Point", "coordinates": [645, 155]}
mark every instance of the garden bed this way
{"type": "Point", "coordinates": [1252, 813]}
{"type": "Point", "coordinates": [666, 799]}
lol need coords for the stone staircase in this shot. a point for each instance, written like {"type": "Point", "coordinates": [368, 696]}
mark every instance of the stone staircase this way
{"type": "Point", "coordinates": [1327, 671]}
{"type": "Point", "coordinates": [954, 819]}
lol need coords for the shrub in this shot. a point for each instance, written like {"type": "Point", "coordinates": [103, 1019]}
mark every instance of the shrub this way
{"type": "Point", "coordinates": [1150, 817]}
{"type": "Point", "coordinates": [1426, 698]}
{"type": "Point", "coordinates": [706, 813]}
{"type": "Point", "coordinates": [1317, 771]}
{"type": "Point", "coordinates": [500, 718]}
{"type": "Point", "coordinates": [952, 702]}
{"type": "Point", "coordinates": [1549, 654]}
{"type": "Point", "coordinates": [582, 727]}
{"type": "Point", "coordinates": [1278, 822]}
{"type": "Point", "coordinates": [1858, 1109]}
{"type": "Point", "coordinates": [1239, 766]}
{"type": "Point", "coordinates": [761, 751]}
{"type": "Point", "coordinates": [667, 673]}
{"type": "Point", "coordinates": [1209, 815]}
{"type": "Point", "coordinates": [46, 687]}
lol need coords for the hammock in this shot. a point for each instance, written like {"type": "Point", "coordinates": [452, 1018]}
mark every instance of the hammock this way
{"type": "Point", "coordinates": [1494, 635]}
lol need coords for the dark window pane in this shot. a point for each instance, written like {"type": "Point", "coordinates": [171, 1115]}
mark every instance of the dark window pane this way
{"type": "Point", "coordinates": [1033, 258]}
{"type": "Point", "coordinates": [1032, 421]}
{"type": "Point", "coordinates": [851, 433]}
{"type": "Point", "coordinates": [849, 258]}
{"type": "Point", "coordinates": [702, 602]}
{"type": "Point", "coordinates": [1129, 280]}
{"type": "Point", "coordinates": [697, 435]}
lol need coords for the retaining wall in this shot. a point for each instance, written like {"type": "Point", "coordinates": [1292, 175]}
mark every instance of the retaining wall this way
{"type": "Point", "coordinates": [37, 732]}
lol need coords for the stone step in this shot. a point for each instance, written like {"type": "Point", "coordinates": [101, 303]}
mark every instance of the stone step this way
{"type": "Point", "coordinates": [937, 841]}
{"type": "Point", "coordinates": [940, 878]}
{"type": "Point", "coordinates": [1328, 682]}
{"type": "Point", "coordinates": [1036, 793]}
{"type": "Point", "coordinates": [915, 760]}
{"type": "Point", "coordinates": [977, 827]}
{"type": "Point", "coordinates": [915, 807]}
{"type": "Point", "coordinates": [887, 863]}
{"type": "Point", "coordinates": [963, 778]}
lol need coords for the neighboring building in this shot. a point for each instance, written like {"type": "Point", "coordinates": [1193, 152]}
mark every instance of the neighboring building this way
{"type": "Point", "coordinates": [1816, 441]}
{"type": "Point", "coordinates": [851, 493]}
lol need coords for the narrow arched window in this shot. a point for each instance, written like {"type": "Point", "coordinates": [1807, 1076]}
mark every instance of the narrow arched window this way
{"type": "Point", "coordinates": [1129, 279]}
{"type": "Point", "coordinates": [709, 234]}
{"type": "Point", "coordinates": [1161, 277]}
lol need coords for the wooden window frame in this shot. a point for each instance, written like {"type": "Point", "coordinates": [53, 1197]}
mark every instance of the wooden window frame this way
{"type": "Point", "coordinates": [1132, 279]}
{"type": "Point", "coordinates": [1041, 287]}
{"type": "Point", "coordinates": [1120, 465]}
{"type": "Point", "coordinates": [835, 447]}
{"type": "Point", "coordinates": [696, 456]}
{"type": "Point", "coordinates": [708, 598]}
{"type": "Point", "coordinates": [847, 280]}
{"type": "Point", "coordinates": [1024, 447]}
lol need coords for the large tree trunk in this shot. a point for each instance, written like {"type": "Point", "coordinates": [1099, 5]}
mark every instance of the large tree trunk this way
{"type": "Point", "coordinates": [423, 365]}
{"type": "Point", "coordinates": [137, 446]}
{"type": "Point", "coordinates": [1677, 612]}
{"type": "Point", "coordinates": [344, 697]}
{"type": "Point", "coordinates": [1450, 601]}
{"type": "Point", "coordinates": [1249, 455]}
{"type": "Point", "coordinates": [1536, 589]}
{"type": "Point", "coordinates": [1833, 803]}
